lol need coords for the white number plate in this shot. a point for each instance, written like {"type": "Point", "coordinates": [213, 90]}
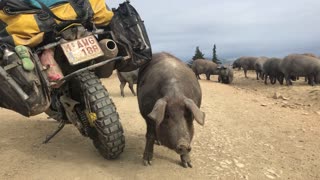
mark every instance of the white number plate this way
{"type": "Point", "coordinates": [82, 50]}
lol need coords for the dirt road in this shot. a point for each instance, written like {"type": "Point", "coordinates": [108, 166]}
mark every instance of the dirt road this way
{"type": "Point", "coordinates": [247, 135]}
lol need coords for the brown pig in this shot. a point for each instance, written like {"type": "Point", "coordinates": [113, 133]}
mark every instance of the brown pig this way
{"type": "Point", "coordinates": [169, 98]}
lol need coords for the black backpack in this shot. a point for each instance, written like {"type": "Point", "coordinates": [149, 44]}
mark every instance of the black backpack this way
{"type": "Point", "coordinates": [130, 32]}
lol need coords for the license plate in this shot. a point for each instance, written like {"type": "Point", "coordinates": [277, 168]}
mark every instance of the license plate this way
{"type": "Point", "coordinates": [82, 50]}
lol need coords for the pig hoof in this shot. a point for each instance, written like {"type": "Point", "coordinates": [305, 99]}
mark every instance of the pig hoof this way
{"type": "Point", "coordinates": [147, 162]}
{"type": "Point", "coordinates": [147, 159]}
{"type": "Point", "coordinates": [186, 161]}
{"type": "Point", "coordinates": [157, 142]}
{"type": "Point", "coordinates": [186, 164]}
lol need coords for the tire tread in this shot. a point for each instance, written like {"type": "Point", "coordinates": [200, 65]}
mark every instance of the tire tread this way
{"type": "Point", "coordinates": [110, 140]}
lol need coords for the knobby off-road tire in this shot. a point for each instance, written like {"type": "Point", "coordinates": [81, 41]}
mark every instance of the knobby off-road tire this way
{"type": "Point", "coordinates": [107, 135]}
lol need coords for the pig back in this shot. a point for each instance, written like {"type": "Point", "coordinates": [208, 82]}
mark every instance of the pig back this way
{"type": "Point", "coordinates": [258, 65]}
{"type": "Point", "coordinates": [247, 62]}
{"type": "Point", "coordinates": [300, 65]}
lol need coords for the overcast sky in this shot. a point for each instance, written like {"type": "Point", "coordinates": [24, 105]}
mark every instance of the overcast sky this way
{"type": "Point", "coordinates": [237, 27]}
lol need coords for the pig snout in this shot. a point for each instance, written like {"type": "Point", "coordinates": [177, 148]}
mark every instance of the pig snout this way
{"type": "Point", "coordinates": [183, 147]}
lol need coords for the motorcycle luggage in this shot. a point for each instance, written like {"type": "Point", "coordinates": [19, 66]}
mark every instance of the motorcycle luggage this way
{"type": "Point", "coordinates": [23, 23]}
{"type": "Point", "coordinates": [130, 32]}
{"type": "Point", "coordinates": [24, 78]}
{"type": "Point", "coordinates": [20, 90]}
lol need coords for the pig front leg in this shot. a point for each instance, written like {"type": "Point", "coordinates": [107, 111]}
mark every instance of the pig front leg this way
{"type": "Point", "coordinates": [287, 78]}
{"type": "Point", "coordinates": [266, 79]}
{"type": "Point", "coordinates": [245, 73]}
{"type": "Point", "coordinates": [185, 160]}
{"type": "Point", "coordinates": [122, 85]}
{"type": "Point", "coordinates": [148, 151]}
{"type": "Point", "coordinates": [208, 76]}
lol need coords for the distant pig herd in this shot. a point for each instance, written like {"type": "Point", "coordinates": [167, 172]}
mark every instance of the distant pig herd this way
{"type": "Point", "coordinates": [290, 68]}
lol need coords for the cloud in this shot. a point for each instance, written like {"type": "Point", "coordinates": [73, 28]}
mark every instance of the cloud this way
{"type": "Point", "coordinates": [246, 27]}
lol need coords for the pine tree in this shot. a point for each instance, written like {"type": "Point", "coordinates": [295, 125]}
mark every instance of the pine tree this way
{"type": "Point", "coordinates": [214, 55]}
{"type": "Point", "coordinates": [198, 54]}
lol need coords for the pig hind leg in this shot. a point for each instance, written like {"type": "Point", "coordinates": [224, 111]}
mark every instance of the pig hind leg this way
{"type": "Point", "coordinates": [208, 76]}
{"type": "Point", "coordinates": [280, 79]}
{"type": "Point", "coordinates": [150, 140]}
{"type": "Point", "coordinates": [131, 88]}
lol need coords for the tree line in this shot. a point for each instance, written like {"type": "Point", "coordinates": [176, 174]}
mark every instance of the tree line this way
{"type": "Point", "coordinates": [199, 55]}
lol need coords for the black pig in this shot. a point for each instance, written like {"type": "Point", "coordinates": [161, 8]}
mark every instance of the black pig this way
{"type": "Point", "coordinates": [130, 77]}
{"type": "Point", "coordinates": [169, 98]}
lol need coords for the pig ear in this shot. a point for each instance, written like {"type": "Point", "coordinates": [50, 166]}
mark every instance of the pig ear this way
{"type": "Point", "coordinates": [158, 111]}
{"type": "Point", "coordinates": [198, 115]}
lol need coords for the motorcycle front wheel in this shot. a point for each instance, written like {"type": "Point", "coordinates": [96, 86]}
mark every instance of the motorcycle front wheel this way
{"type": "Point", "coordinates": [106, 130]}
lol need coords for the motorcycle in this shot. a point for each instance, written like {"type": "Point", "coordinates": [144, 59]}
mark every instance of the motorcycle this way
{"type": "Point", "coordinates": [84, 55]}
